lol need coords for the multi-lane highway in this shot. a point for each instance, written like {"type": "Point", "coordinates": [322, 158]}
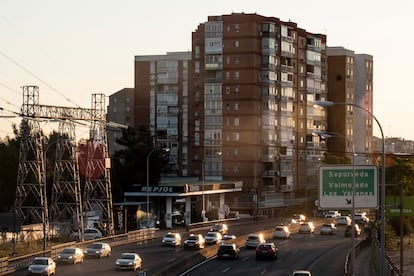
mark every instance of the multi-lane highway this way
{"type": "Point", "coordinates": [323, 255]}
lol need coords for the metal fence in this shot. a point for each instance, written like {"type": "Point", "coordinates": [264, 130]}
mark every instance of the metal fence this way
{"type": "Point", "coordinates": [9, 265]}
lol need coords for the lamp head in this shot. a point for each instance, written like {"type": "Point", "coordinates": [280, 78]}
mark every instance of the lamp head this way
{"type": "Point", "coordinates": [323, 103]}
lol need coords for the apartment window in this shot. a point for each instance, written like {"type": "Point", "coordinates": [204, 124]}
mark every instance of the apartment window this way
{"type": "Point", "coordinates": [236, 90]}
{"type": "Point", "coordinates": [236, 60]}
{"type": "Point", "coordinates": [236, 43]}
{"type": "Point", "coordinates": [227, 90]}
{"type": "Point", "coordinates": [236, 75]}
{"type": "Point", "coordinates": [227, 107]}
{"type": "Point", "coordinates": [236, 152]}
{"type": "Point", "coordinates": [236, 136]}
{"type": "Point", "coordinates": [236, 106]}
{"type": "Point", "coordinates": [236, 28]}
{"type": "Point", "coordinates": [227, 75]}
{"type": "Point", "coordinates": [236, 168]}
{"type": "Point", "coordinates": [236, 121]}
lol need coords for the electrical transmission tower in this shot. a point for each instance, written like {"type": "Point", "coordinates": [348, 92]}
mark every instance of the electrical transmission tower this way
{"type": "Point", "coordinates": [31, 200]}
{"type": "Point", "coordinates": [66, 190]}
{"type": "Point", "coordinates": [98, 193]}
{"type": "Point", "coordinates": [67, 202]}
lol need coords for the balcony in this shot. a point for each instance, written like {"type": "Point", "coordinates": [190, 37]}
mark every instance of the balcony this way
{"type": "Point", "coordinates": [213, 66]}
{"type": "Point", "coordinates": [270, 173]}
{"type": "Point", "coordinates": [286, 188]}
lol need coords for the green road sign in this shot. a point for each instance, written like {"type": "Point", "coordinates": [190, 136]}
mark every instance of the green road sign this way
{"type": "Point", "coordinates": [392, 206]}
{"type": "Point", "coordinates": [337, 182]}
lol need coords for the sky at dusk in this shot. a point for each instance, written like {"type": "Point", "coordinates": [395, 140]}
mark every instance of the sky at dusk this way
{"type": "Point", "coordinates": [73, 49]}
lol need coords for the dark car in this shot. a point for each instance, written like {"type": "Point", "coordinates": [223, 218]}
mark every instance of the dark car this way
{"type": "Point", "coordinates": [267, 250]}
{"type": "Point", "coordinates": [348, 231]}
{"type": "Point", "coordinates": [228, 250]}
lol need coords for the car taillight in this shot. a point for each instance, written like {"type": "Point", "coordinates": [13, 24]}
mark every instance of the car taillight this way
{"type": "Point", "coordinates": [270, 250]}
{"type": "Point", "coordinates": [258, 249]}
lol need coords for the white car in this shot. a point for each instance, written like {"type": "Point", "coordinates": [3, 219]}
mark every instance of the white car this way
{"type": "Point", "coordinates": [281, 232]}
{"type": "Point", "coordinates": [328, 229]}
{"type": "Point", "coordinates": [253, 240]}
{"type": "Point", "coordinates": [332, 214]}
{"type": "Point", "coordinates": [301, 273]}
{"type": "Point", "coordinates": [343, 220]}
{"type": "Point", "coordinates": [306, 227]}
{"type": "Point", "coordinates": [212, 237]}
{"type": "Point", "coordinates": [129, 261]}
{"type": "Point", "coordinates": [88, 234]}
{"type": "Point", "coordinates": [171, 239]}
{"type": "Point", "coordinates": [42, 266]}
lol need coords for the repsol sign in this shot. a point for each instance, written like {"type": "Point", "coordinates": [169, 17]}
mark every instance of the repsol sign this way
{"type": "Point", "coordinates": [162, 189]}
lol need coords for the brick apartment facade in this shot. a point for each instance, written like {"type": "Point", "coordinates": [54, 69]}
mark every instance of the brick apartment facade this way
{"type": "Point", "coordinates": [239, 107]}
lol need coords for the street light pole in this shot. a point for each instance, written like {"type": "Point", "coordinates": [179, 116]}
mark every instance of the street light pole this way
{"type": "Point", "coordinates": [382, 206]}
{"type": "Point", "coordinates": [328, 135]}
{"type": "Point", "coordinates": [203, 212]}
{"type": "Point", "coordinates": [148, 158]}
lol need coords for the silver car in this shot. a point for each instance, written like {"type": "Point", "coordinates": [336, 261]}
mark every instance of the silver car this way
{"type": "Point", "coordinates": [42, 266]}
{"type": "Point", "coordinates": [98, 249]}
{"type": "Point", "coordinates": [253, 240]}
{"type": "Point", "coordinates": [129, 261]}
{"type": "Point", "coordinates": [71, 255]}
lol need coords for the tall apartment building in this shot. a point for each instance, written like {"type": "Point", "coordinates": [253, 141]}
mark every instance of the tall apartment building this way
{"type": "Point", "coordinates": [254, 81]}
{"type": "Point", "coordinates": [350, 78]}
{"type": "Point", "coordinates": [161, 102]}
{"type": "Point", "coordinates": [121, 111]}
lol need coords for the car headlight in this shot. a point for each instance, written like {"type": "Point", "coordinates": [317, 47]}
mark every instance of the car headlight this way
{"type": "Point", "coordinates": [117, 262]}
{"type": "Point", "coordinates": [70, 257]}
{"type": "Point", "coordinates": [130, 263]}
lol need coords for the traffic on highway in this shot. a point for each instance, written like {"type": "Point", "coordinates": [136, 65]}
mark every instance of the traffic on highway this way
{"type": "Point", "coordinates": [312, 251]}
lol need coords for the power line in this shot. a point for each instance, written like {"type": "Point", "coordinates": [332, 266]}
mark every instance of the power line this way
{"type": "Point", "coordinates": [36, 77]}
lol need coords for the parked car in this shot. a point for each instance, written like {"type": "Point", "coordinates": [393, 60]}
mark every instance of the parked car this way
{"type": "Point", "coordinates": [348, 231]}
{"type": "Point", "coordinates": [88, 234]}
{"type": "Point", "coordinates": [253, 240]}
{"type": "Point", "coordinates": [328, 229]}
{"type": "Point", "coordinates": [343, 220]}
{"type": "Point", "coordinates": [71, 255]}
{"type": "Point", "coordinates": [306, 227]}
{"type": "Point", "coordinates": [171, 239]}
{"type": "Point", "coordinates": [212, 237]}
{"type": "Point", "coordinates": [281, 232]}
{"type": "Point", "coordinates": [267, 250]}
{"type": "Point", "coordinates": [42, 266]}
{"type": "Point", "coordinates": [98, 249]}
{"type": "Point", "coordinates": [128, 261]}
{"type": "Point", "coordinates": [194, 241]}
{"type": "Point", "coordinates": [219, 227]}
{"type": "Point", "coordinates": [228, 250]}
{"type": "Point", "coordinates": [332, 214]}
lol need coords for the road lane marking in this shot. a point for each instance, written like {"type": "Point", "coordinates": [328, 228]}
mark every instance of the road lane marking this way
{"type": "Point", "coordinates": [226, 269]}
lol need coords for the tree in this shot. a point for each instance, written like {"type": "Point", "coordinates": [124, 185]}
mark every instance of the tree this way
{"type": "Point", "coordinates": [129, 164]}
{"type": "Point", "coordinates": [9, 160]}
